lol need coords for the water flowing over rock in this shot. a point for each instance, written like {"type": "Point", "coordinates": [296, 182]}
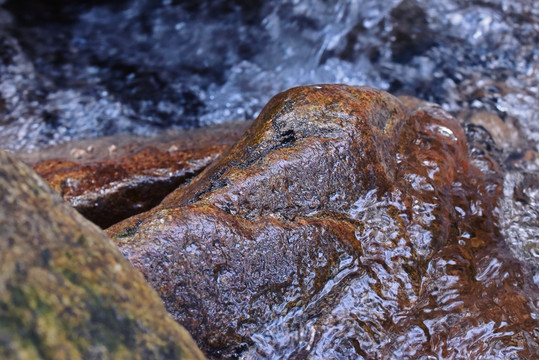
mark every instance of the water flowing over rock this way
{"type": "Point", "coordinates": [344, 224]}
{"type": "Point", "coordinates": [65, 290]}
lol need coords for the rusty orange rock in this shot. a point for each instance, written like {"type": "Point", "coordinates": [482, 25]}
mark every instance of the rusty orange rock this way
{"type": "Point", "coordinates": [342, 225]}
{"type": "Point", "coordinates": [111, 179]}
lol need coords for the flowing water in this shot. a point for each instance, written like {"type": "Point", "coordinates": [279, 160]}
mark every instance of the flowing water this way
{"type": "Point", "coordinates": [71, 71]}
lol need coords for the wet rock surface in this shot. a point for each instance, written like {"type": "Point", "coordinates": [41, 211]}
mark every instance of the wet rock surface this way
{"type": "Point", "coordinates": [71, 70]}
{"type": "Point", "coordinates": [343, 224]}
{"type": "Point", "coordinates": [109, 179]}
{"type": "Point", "coordinates": [65, 290]}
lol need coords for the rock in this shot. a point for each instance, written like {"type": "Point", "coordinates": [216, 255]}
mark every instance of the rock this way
{"type": "Point", "coordinates": [108, 186]}
{"type": "Point", "coordinates": [342, 225]}
{"type": "Point", "coordinates": [410, 34]}
{"type": "Point", "coordinates": [66, 292]}
{"type": "Point", "coordinates": [504, 134]}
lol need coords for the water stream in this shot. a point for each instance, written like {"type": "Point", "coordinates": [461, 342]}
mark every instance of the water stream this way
{"type": "Point", "coordinates": [72, 71]}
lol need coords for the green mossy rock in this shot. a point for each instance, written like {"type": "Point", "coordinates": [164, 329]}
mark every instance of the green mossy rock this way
{"type": "Point", "coordinates": [66, 292]}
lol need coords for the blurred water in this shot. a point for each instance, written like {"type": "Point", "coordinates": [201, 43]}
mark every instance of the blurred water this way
{"type": "Point", "coordinates": [140, 65]}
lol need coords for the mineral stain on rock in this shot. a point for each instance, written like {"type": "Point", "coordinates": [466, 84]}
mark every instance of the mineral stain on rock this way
{"type": "Point", "coordinates": [109, 186]}
{"type": "Point", "coordinates": [65, 290]}
{"type": "Point", "coordinates": [344, 224]}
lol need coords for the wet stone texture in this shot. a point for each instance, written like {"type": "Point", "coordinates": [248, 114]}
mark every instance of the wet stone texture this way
{"type": "Point", "coordinates": [66, 292]}
{"type": "Point", "coordinates": [86, 69]}
{"type": "Point", "coordinates": [110, 179]}
{"type": "Point", "coordinates": [344, 224]}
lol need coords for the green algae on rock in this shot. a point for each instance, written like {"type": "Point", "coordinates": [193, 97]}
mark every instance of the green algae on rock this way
{"type": "Point", "coordinates": [65, 290]}
{"type": "Point", "coordinates": [344, 224]}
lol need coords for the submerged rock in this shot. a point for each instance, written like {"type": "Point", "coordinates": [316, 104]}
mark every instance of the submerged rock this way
{"type": "Point", "coordinates": [110, 179]}
{"type": "Point", "coordinates": [342, 225]}
{"type": "Point", "coordinates": [65, 290]}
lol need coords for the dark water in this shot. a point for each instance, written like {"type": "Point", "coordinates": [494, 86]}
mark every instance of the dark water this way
{"type": "Point", "coordinates": [71, 71]}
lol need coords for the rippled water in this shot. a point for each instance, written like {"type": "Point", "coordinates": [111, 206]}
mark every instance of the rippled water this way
{"type": "Point", "coordinates": [433, 277]}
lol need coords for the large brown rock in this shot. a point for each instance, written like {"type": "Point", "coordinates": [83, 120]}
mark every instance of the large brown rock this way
{"type": "Point", "coordinates": [66, 292]}
{"type": "Point", "coordinates": [342, 225]}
